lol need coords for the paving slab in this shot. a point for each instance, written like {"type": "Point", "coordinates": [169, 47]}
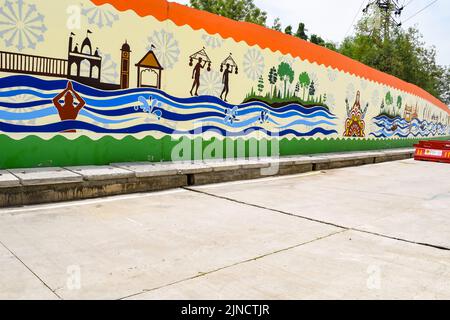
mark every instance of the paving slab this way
{"type": "Point", "coordinates": [43, 176]}
{"type": "Point", "coordinates": [125, 246]}
{"type": "Point", "coordinates": [19, 283]}
{"type": "Point", "coordinates": [8, 180]}
{"type": "Point", "coordinates": [99, 173]}
{"type": "Point", "coordinates": [348, 265]}
{"type": "Point", "coordinates": [404, 199]}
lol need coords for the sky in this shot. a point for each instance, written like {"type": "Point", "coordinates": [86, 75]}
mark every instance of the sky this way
{"type": "Point", "coordinates": [332, 19]}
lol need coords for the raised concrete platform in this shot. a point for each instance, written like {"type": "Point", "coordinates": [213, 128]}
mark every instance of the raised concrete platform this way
{"type": "Point", "coordinates": [7, 180]}
{"type": "Point", "coordinates": [40, 185]}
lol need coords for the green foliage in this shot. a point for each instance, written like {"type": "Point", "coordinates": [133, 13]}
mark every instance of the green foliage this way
{"type": "Point", "coordinates": [286, 74]}
{"type": "Point", "coordinates": [240, 10]}
{"type": "Point", "coordinates": [288, 30]}
{"type": "Point", "coordinates": [277, 24]}
{"type": "Point", "coordinates": [401, 53]}
{"type": "Point", "coordinates": [277, 98]}
{"type": "Point", "coordinates": [301, 31]}
{"type": "Point", "coordinates": [317, 40]}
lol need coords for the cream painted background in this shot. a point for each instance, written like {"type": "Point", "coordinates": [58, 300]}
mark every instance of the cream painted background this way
{"type": "Point", "coordinates": [177, 80]}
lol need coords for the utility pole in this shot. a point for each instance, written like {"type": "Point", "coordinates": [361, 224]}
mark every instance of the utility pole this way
{"type": "Point", "coordinates": [390, 11]}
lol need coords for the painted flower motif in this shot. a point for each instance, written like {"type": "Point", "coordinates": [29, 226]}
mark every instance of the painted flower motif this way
{"type": "Point", "coordinates": [211, 41]}
{"type": "Point", "coordinates": [375, 98]}
{"type": "Point", "coordinates": [165, 48]}
{"type": "Point", "coordinates": [287, 59]}
{"type": "Point", "coordinates": [253, 64]}
{"type": "Point", "coordinates": [331, 101]}
{"type": "Point", "coordinates": [100, 16]}
{"type": "Point", "coordinates": [21, 25]}
{"type": "Point", "coordinates": [364, 84]}
{"type": "Point", "coordinates": [109, 69]}
{"type": "Point", "coordinates": [332, 75]}
{"type": "Point", "coordinates": [210, 84]}
{"type": "Point", "coordinates": [21, 97]}
{"type": "Point", "coordinates": [313, 76]}
{"type": "Point", "coordinates": [350, 94]}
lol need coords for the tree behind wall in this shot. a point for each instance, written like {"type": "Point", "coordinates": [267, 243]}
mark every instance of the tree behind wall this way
{"type": "Point", "coordinates": [240, 10]}
{"type": "Point", "coordinates": [399, 52]}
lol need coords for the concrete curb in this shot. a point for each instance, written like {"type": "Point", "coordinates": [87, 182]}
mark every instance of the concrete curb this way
{"type": "Point", "coordinates": [20, 187]}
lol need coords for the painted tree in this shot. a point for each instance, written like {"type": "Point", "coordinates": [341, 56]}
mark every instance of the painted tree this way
{"type": "Point", "coordinates": [399, 102]}
{"type": "Point", "coordinates": [273, 78]}
{"type": "Point", "coordinates": [389, 102]}
{"type": "Point", "coordinates": [304, 82]}
{"type": "Point", "coordinates": [312, 91]}
{"type": "Point", "coordinates": [260, 85]}
{"type": "Point", "coordinates": [297, 88]}
{"type": "Point", "coordinates": [286, 74]}
{"type": "Point", "coordinates": [389, 99]}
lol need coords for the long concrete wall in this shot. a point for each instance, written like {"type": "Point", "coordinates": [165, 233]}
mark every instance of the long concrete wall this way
{"type": "Point", "coordinates": [115, 81]}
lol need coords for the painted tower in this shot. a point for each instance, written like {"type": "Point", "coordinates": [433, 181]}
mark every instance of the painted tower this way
{"type": "Point", "coordinates": [125, 66]}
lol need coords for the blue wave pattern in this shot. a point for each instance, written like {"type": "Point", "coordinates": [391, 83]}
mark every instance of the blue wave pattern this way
{"type": "Point", "coordinates": [399, 127]}
{"type": "Point", "coordinates": [26, 106]}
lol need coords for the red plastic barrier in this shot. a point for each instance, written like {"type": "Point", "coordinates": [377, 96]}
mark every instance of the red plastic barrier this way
{"type": "Point", "coordinates": [437, 151]}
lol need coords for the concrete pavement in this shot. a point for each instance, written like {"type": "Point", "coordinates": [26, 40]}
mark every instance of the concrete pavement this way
{"type": "Point", "coordinates": [20, 187]}
{"type": "Point", "coordinates": [379, 231]}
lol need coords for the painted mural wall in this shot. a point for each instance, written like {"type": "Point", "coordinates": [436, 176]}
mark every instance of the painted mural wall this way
{"type": "Point", "coordinates": [86, 82]}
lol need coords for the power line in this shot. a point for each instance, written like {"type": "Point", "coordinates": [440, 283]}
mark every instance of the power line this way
{"type": "Point", "coordinates": [421, 10]}
{"type": "Point", "coordinates": [409, 2]}
{"type": "Point", "coordinates": [356, 15]}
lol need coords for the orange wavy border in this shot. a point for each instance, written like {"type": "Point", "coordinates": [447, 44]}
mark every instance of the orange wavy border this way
{"type": "Point", "coordinates": [254, 34]}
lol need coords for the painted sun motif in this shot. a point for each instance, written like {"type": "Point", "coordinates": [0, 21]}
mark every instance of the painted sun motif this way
{"type": "Point", "coordinates": [313, 76]}
{"type": "Point", "coordinates": [287, 59]}
{"type": "Point", "coordinates": [100, 16]}
{"type": "Point", "coordinates": [109, 69]}
{"type": "Point", "coordinates": [364, 83]}
{"type": "Point", "coordinates": [211, 41]}
{"type": "Point", "coordinates": [210, 84]}
{"type": "Point", "coordinates": [253, 64]}
{"type": "Point", "coordinates": [20, 97]}
{"type": "Point", "coordinates": [375, 97]}
{"type": "Point", "coordinates": [351, 92]}
{"type": "Point", "coordinates": [165, 48]}
{"type": "Point", "coordinates": [332, 74]}
{"type": "Point", "coordinates": [21, 25]}
{"type": "Point", "coordinates": [330, 101]}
